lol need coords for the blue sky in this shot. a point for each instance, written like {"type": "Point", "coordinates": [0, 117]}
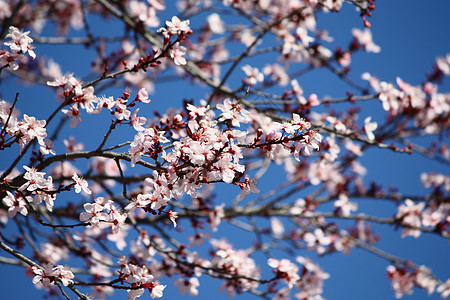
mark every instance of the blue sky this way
{"type": "Point", "coordinates": [411, 35]}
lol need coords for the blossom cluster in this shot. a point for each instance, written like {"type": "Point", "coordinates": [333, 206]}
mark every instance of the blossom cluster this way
{"type": "Point", "coordinates": [423, 104]}
{"type": "Point", "coordinates": [404, 280]}
{"type": "Point", "coordinates": [23, 130]}
{"type": "Point", "coordinates": [48, 275]}
{"type": "Point", "coordinates": [36, 189]}
{"type": "Point", "coordinates": [181, 29]}
{"type": "Point", "coordinates": [414, 216]}
{"type": "Point", "coordinates": [238, 264]}
{"type": "Point", "coordinates": [19, 44]}
{"type": "Point", "coordinates": [309, 284]}
{"type": "Point", "coordinates": [210, 150]}
{"type": "Point", "coordinates": [104, 214]}
{"type": "Point", "coordinates": [139, 279]}
{"type": "Point", "coordinates": [263, 117]}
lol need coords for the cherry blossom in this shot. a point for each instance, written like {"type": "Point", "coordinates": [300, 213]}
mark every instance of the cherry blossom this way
{"type": "Point", "coordinates": [409, 213]}
{"type": "Point", "coordinates": [285, 269]}
{"type": "Point", "coordinates": [9, 59]}
{"type": "Point", "coordinates": [364, 37]}
{"type": "Point", "coordinates": [444, 289]}
{"type": "Point", "coordinates": [144, 12]}
{"type": "Point", "coordinates": [32, 128]}
{"type": "Point", "coordinates": [35, 180]}
{"type": "Point", "coordinates": [177, 53]}
{"type": "Point", "coordinates": [21, 42]}
{"type": "Point", "coordinates": [16, 205]}
{"type": "Point", "coordinates": [247, 119]}
{"type": "Point", "coordinates": [234, 112]}
{"type": "Point", "coordinates": [81, 184]}
{"type": "Point", "coordinates": [317, 240]}
{"type": "Point", "coordinates": [49, 274]}
{"type": "Point", "coordinates": [176, 26]}
{"type": "Point", "coordinates": [216, 25]}
{"type": "Point", "coordinates": [173, 216]}
{"type": "Point", "coordinates": [369, 128]}
{"type": "Point", "coordinates": [190, 286]}
{"type": "Point", "coordinates": [43, 275]}
{"type": "Point", "coordinates": [310, 141]}
{"type": "Point", "coordinates": [253, 75]}
{"type": "Point", "coordinates": [138, 121]}
{"type": "Point", "coordinates": [402, 281]}
{"type": "Point", "coordinates": [344, 206]}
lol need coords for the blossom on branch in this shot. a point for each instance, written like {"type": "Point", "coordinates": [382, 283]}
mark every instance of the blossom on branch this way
{"type": "Point", "coordinates": [81, 184]}
{"type": "Point", "coordinates": [20, 41]}
{"type": "Point", "coordinates": [177, 53]}
{"type": "Point", "coordinates": [253, 75]}
{"type": "Point", "coordinates": [16, 205]}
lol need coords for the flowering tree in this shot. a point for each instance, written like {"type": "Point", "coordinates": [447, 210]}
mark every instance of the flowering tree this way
{"type": "Point", "coordinates": [144, 202]}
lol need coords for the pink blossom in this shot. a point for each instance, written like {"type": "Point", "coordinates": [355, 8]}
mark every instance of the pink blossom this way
{"type": "Point", "coordinates": [364, 37]}
{"type": "Point", "coordinates": [369, 128]}
{"type": "Point", "coordinates": [157, 290]}
{"type": "Point", "coordinates": [277, 73]}
{"type": "Point", "coordinates": [9, 59]}
{"type": "Point", "coordinates": [144, 13]}
{"type": "Point", "coordinates": [310, 141]}
{"type": "Point", "coordinates": [16, 205]}
{"type": "Point", "coordinates": [116, 219]}
{"type": "Point", "coordinates": [248, 186]}
{"type": "Point", "coordinates": [72, 146]}
{"type": "Point", "coordinates": [402, 281]}
{"type": "Point", "coordinates": [216, 25]}
{"type": "Point", "coordinates": [337, 124]}
{"type": "Point", "coordinates": [425, 280]}
{"type": "Point", "coordinates": [234, 112]}
{"type": "Point", "coordinates": [94, 211]}
{"type": "Point", "coordinates": [286, 270]}
{"type": "Point", "coordinates": [143, 95]}
{"type": "Point", "coordinates": [198, 239]}
{"type": "Point", "coordinates": [74, 114]}
{"type": "Point", "coordinates": [197, 111]}
{"type": "Point", "coordinates": [177, 53]}
{"type": "Point", "coordinates": [311, 282]}
{"type": "Point", "coordinates": [44, 275]}
{"type": "Point", "coordinates": [104, 103]}
{"type": "Point", "coordinates": [317, 240]}
{"type": "Point", "coordinates": [409, 214]}
{"type": "Point", "coordinates": [253, 75]}
{"type": "Point", "coordinates": [20, 42]}
{"type": "Point", "coordinates": [353, 148]}
{"type": "Point", "coordinates": [54, 253]}
{"type": "Point", "coordinates": [344, 206]}
{"type": "Point", "coordinates": [215, 217]}
{"type": "Point", "coordinates": [444, 289]}
{"type": "Point", "coordinates": [69, 83]}
{"type": "Point", "coordinates": [173, 216]}
{"type": "Point", "coordinates": [189, 286]}
{"type": "Point", "coordinates": [136, 293]}
{"type": "Point", "coordinates": [121, 112]}
{"type": "Point", "coordinates": [297, 92]}
{"type": "Point", "coordinates": [137, 122]}
{"type": "Point", "coordinates": [81, 184]}
{"type": "Point", "coordinates": [435, 180]}
{"type": "Point", "coordinates": [35, 180]}
{"type": "Point", "coordinates": [5, 10]}
{"type": "Point", "coordinates": [176, 26]}
{"type": "Point", "coordinates": [64, 274]}
{"type": "Point", "coordinates": [443, 64]}
{"type": "Point", "coordinates": [32, 128]}
{"type": "Point", "coordinates": [47, 148]}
